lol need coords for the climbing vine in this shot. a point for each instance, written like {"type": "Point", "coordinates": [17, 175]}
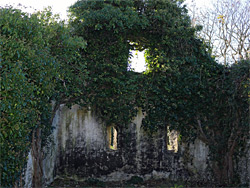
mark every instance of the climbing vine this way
{"type": "Point", "coordinates": [86, 62]}
{"type": "Point", "coordinates": [112, 29]}
{"type": "Point", "coordinates": [183, 86]}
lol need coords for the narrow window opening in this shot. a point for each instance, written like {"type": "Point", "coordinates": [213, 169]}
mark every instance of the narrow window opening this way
{"type": "Point", "coordinates": [112, 137]}
{"type": "Point", "coordinates": [172, 140]}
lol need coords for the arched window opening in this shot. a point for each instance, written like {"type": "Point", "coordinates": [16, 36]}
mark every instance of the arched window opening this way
{"type": "Point", "coordinates": [172, 140]}
{"type": "Point", "coordinates": [112, 137]}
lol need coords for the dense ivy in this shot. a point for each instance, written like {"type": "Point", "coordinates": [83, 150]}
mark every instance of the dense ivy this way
{"type": "Point", "coordinates": [43, 59]}
{"type": "Point", "coordinates": [112, 29]}
{"type": "Point", "coordinates": [111, 88]}
{"type": "Point", "coordinates": [183, 86]}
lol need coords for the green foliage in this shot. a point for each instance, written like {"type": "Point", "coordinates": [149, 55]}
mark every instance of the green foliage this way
{"type": "Point", "coordinates": [111, 89]}
{"type": "Point", "coordinates": [177, 186]}
{"type": "Point", "coordinates": [25, 85]}
{"type": "Point", "coordinates": [95, 182]}
{"type": "Point", "coordinates": [43, 59]}
{"type": "Point", "coordinates": [111, 29]}
{"type": "Point", "coordinates": [135, 180]}
{"type": "Point", "coordinates": [30, 74]}
{"type": "Point", "coordinates": [183, 86]}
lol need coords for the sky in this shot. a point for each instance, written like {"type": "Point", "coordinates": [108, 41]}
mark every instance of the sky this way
{"type": "Point", "coordinates": [60, 7]}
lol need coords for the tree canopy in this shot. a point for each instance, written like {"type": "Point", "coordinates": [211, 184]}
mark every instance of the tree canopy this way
{"type": "Point", "coordinates": [85, 62]}
{"type": "Point", "coordinates": [34, 52]}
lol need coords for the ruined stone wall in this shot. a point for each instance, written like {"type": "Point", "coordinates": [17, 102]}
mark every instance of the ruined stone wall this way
{"type": "Point", "coordinates": [80, 149]}
{"type": "Point", "coordinates": [243, 165]}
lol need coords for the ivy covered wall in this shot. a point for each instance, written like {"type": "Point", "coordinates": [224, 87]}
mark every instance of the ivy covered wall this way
{"type": "Point", "coordinates": [85, 62]}
{"type": "Point", "coordinates": [80, 149]}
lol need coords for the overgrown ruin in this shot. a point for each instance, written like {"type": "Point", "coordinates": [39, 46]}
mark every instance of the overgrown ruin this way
{"type": "Point", "coordinates": [81, 148]}
{"type": "Point", "coordinates": [185, 118]}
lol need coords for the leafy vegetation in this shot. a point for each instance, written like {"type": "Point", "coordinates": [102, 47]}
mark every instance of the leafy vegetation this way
{"type": "Point", "coordinates": [33, 52]}
{"type": "Point", "coordinates": [43, 59]}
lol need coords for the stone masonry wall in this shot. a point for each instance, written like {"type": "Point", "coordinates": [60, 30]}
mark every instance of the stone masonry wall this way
{"type": "Point", "coordinates": [79, 149]}
{"type": "Point", "coordinates": [83, 150]}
